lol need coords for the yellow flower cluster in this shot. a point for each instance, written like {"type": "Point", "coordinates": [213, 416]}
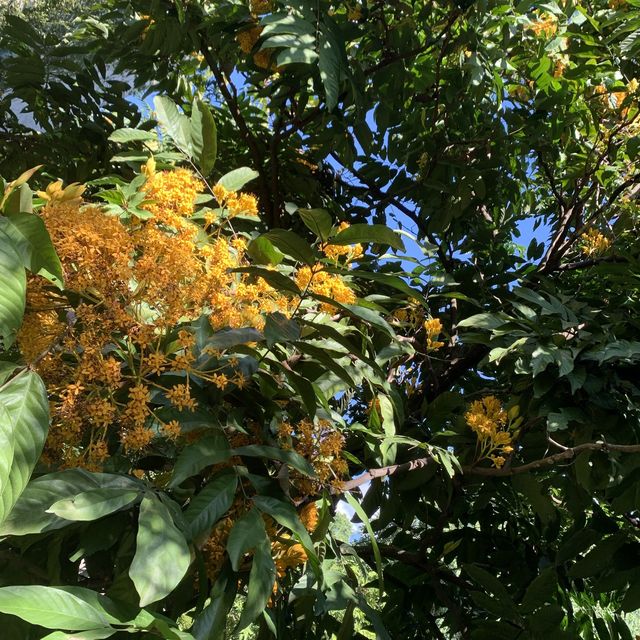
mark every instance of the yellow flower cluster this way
{"type": "Point", "coordinates": [433, 328]}
{"type": "Point", "coordinates": [546, 25]}
{"type": "Point", "coordinates": [321, 443]}
{"type": "Point", "coordinates": [235, 203]}
{"type": "Point", "coordinates": [354, 12]}
{"type": "Point", "coordinates": [336, 251]}
{"type": "Point", "coordinates": [99, 347]}
{"type": "Point", "coordinates": [320, 282]}
{"type": "Point", "coordinates": [594, 243]}
{"type": "Point", "coordinates": [488, 420]}
{"type": "Point", "coordinates": [247, 38]}
{"type": "Point", "coordinates": [286, 553]}
{"type": "Point", "coordinates": [258, 7]}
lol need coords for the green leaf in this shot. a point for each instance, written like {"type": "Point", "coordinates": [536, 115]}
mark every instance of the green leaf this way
{"type": "Point", "coordinates": [25, 416]}
{"type": "Point", "coordinates": [131, 135]}
{"type": "Point", "coordinates": [33, 243]}
{"type": "Point", "coordinates": [248, 533]}
{"type": "Point", "coordinates": [360, 512]}
{"type": "Point", "coordinates": [541, 590]}
{"type": "Point", "coordinates": [598, 559]}
{"type": "Point", "coordinates": [276, 279]}
{"type": "Point", "coordinates": [291, 458]}
{"type": "Point", "coordinates": [94, 504]}
{"type": "Point", "coordinates": [30, 514]}
{"type": "Point", "coordinates": [261, 580]}
{"type": "Point", "coordinates": [236, 179]}
{"type": "Point", "coordinates": [92, 634]}
{"type": "Point", "coordinates": [212, 621]}
{"type": "Point", "coordinates": [51, 608]}
{"type": "Point", "coordinates": [362, 233]}
{"type": "Point", "coordinates": [330, 68]}
{"type": "Point", "coordinates": [487, 581]}
{"type": "Point", "coordinates": [162, 555]}
{"type": "Point", "coordinates": [262, 251]}
{"type": "Point", "coordinates": [285, 514]}
{"type": "Point", "coordinates": [233, 337]}
{"type": "Point", "coordinates": [529, 486]}
{"type": "Point", "coordinates": [318, 220]}
{"type": "Point", "coordinates": [204, 141]}
{"type": "Point", "coordinates": [13, 289]}
{"type": "Point", "coordinates": [291, 244]}
{"type": "Point", "coordinates": [20, 200]}
{"type": "Point", "coordinates": [484, 321]}
{"type": "Point", "coordinates": [176, 124]}
{"type": "Point", "coordinates": [211, 503]}
{"type": "Point", "coordinates": [279, 329]}
{"type": "Point", "coordinates": [193, 458]}
{"type": "Point", "coordinates": [631, 600]}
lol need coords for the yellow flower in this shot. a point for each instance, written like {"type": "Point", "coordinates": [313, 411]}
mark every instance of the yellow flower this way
{"type": "Point", "coordinates": [329, 285]}
{"type": "Point", "coordinates": [71, 194]}
{"type": "Point", "coordinates": [488, 420]}
{"type": "Point", "coordinates": [258, 7]}
{"type": "Point", "coordinates": [433, 328]}
{"type": "Point", "coordinates": [336, 251]}
{"type": "Point", "coordinates": [594, 243]}
{"type": "Point", "coordinates": [546, 25]}
{"type": "Point", "coordinates": [248, 38]}
{"type": "Point", "coordinates": [180, 396]}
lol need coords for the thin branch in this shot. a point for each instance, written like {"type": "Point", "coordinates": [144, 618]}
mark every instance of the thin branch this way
{"type": "Point", "coordinates": [416, 51]}
{"type": "Point", "coordinates": [230, 96]}
{"type": "Point", "coordinates": [589, 262]}
{"type": "Point", "coordinates": [567, 454]}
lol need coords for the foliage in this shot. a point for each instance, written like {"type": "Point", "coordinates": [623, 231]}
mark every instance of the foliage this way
{"type": "Point", "coordinates": [298, 276]}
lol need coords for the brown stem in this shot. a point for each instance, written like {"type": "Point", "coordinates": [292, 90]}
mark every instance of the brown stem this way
{"type": "Point", "coordinates": [568, 454]}
{"type": "Point", "coordinates": [229, 94]}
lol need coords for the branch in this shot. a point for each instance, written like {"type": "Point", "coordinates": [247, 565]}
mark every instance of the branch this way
{"type": "Point", "coordinates": [230, 96]}
{"type": "Point", "coordinates": [412, 53]}
{"type": "Point", "coordinates": [568, 454]}
{"type": "Point", "coordinates": [382, 472]}
{"type": "Point", "coordinates": [589, 262]}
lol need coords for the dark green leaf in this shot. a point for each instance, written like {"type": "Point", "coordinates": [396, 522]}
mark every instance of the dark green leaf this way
{"type": "Point", "coordinates": [211, 503]}
{"type": "Point", "coordinates": [209, 450]}
{"type": "Point", "coordinates": [318, 220]}
{"type": "Point", "coordinates": [162, 555]}
{"type": "Point", "coordinates": [363, 233]}
{"type": "Point", "coordinates": [248, 533]}
{"type": "Point", "coordinates": [204, 141]}
{"type": "Point", "coordinates": [13, 288]}
{"type": "Point", "coordinates": [261, 580]}
{"type": "Point", "coordinates": [291, 244]}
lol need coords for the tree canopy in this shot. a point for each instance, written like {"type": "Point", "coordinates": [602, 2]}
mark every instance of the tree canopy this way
{"type": "Point", "coordinates": [262, 262]}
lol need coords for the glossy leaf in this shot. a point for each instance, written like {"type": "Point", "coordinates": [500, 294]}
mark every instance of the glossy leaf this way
{"type": "Point", "coordinates": [25, 415]}
{"type": "Point", "coordinates": [162, 555]}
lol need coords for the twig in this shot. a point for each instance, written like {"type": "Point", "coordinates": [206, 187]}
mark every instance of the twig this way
{"type": "Point", "coordinates": [567, 454]}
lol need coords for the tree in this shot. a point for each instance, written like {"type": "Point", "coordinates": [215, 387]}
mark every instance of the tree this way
{"type": "Point", "coordinates": [301, 275]}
